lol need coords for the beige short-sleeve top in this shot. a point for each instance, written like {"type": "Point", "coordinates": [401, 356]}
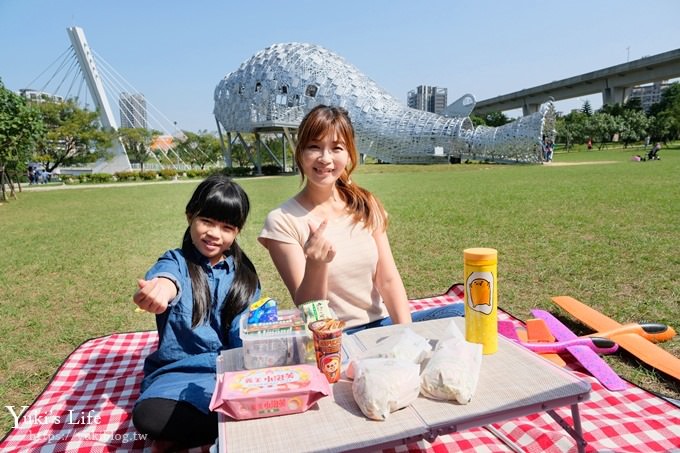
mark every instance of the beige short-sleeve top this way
{"type": "Point", "coordinates": [352, 293]}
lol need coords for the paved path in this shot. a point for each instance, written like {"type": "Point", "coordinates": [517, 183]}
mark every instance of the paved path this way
{"type": "Point", "coordinates": [44, 187]}
{"type": "Point", "coordinates": [567, 164]}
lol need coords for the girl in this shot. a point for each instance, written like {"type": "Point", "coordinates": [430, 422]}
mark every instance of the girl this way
{"type": "Point", "coordinates": [198, 293]}
{"type": "Point", "coordinates": [330, 240]}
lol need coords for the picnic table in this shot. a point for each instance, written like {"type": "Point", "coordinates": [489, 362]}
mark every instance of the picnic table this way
{"type": "Point", "coordinates": [513, 382]}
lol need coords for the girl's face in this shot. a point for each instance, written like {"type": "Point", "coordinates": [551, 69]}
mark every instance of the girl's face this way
{"type": "Point", "coordinates": [211, 237]}
{"type": "Point", "coordinates": [324, 159]}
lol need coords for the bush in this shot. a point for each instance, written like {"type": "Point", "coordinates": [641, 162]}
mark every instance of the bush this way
{"type": "Point", "coordinates": [148, 175]}
{"type": "Point", "coordinates": [100, 177]}
{"type": "Point", "coordinates": [197, 173]}
{"type": "Point", "coordinates": [235, 171]}
{"type": "Point", "coordinates": [168, 173]}
{"type": "Point", "coordinates": [126, 175]}
{"type": "Point", "coordinates": [271, 170]}
{"type": "Point", "coordinates": [69, 179]}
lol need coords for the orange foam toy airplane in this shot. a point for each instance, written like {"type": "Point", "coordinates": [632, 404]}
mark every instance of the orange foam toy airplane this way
{"type": "Point", "coordinates": [537, 332]}
{"type": "Point", "coordinates": [634, 338]}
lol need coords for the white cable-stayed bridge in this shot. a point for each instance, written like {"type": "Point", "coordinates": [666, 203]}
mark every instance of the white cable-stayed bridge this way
{"type": "Point", "coordinates": [84, 76]}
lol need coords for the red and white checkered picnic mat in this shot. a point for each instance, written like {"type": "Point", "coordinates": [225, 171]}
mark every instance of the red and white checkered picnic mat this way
{"type": "Point", "coordinates": [87, 405]}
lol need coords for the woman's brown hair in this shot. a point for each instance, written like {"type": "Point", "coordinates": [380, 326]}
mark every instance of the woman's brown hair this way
{"type": "Point", "coordinates": [318, 123]}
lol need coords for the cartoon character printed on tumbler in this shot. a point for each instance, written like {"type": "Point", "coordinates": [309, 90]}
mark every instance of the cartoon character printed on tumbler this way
{"type": "Point", "coordinates": [480, 292]}
{"type": "Point", "coordinates": [331, 366]}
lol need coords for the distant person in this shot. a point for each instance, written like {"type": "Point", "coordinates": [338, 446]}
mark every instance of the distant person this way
{"type": "Point", "coordinates": [590, 144]}
{"type": "Point", "coordinates": [197, 293]}
{"type": "Point", "coordinates": [549, 150]}
{"type": "Point", "coordinates": [654, 152]}
{"type": "Point", "coordinates": [330, 240]}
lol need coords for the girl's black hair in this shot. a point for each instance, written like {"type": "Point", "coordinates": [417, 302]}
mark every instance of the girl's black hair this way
{"type": "Point", "coordinates": [220, 199]}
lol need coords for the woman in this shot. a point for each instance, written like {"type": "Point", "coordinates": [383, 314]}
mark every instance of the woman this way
{"type": "Point", "coordinates": [330, 240]}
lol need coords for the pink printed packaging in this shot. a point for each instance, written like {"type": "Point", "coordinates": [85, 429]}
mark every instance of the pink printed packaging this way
{"type": "Point", "coordinates": [268, 392]}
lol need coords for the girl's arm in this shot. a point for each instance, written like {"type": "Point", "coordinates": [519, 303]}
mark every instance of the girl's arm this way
{"type": "Point", "coordinates": [155, 294]}
{"type": "Point", "coordinates": [304, 270]}
{"type": "Point", "coordinates": [389, 283]}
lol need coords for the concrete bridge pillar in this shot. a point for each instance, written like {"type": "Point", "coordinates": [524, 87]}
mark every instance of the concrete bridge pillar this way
{"type": "Point", "coordinates": [615, 95]}
{"type": "Point", "coordinates": [529, 108]}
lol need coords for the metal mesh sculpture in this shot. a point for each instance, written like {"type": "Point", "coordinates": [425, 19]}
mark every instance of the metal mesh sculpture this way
{"type": "Point", "coordinates": [277, 86]}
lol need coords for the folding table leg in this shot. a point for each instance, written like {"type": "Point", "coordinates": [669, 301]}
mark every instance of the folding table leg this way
{"type": "Point", "coordinates": [576, 432]}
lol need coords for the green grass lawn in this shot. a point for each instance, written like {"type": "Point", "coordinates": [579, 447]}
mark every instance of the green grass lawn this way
{"type": "Point", "coordinates": [606, 234]}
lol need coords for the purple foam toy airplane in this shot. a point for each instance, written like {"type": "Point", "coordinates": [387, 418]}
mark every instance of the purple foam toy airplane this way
{"type": "Point", "coordinates": [585, 355]}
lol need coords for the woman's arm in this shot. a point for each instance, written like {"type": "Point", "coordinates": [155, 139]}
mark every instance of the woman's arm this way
{"type": "Point", "coordinates": [304, 270]}
{"type": "Point", "coordinates": [389, 282]}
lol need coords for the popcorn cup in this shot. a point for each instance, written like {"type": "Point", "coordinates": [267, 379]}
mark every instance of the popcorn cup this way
{"type": "Point", "coordinates": [327, 335]}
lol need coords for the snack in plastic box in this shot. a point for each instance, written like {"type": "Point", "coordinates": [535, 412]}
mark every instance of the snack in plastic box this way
{"type": "Point", "coordinates": [314, 310]}
{"type": "Point", "coordinates": [263, 310]}
{"type": "Point", "coordinates": [286, 342]}
{"type": "Point", "coordinates": [267, 392]}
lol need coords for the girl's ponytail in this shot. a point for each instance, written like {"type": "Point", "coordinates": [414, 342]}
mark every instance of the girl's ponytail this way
{"type": "Point", "coordinates": [243, 287]}
{"type": "Point", "coordinates": [199, 284]}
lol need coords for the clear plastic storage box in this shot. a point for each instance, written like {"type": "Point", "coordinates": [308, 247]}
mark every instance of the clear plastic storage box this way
{"type": "Point", "coordinates": [275, 347]}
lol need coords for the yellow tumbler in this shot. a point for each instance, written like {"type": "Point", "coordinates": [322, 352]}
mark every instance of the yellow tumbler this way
{"type": "Point", "coordinates": [481, 297]}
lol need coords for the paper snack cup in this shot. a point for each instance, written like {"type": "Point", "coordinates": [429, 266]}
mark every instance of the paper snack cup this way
{"type": "Point", "coordinates": [327, 335]}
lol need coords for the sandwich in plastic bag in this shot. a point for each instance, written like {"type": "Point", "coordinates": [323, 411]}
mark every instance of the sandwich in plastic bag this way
{"type": "Point", "coordinates": [452, 373]}
{"type": "Point", "coordinates": [382, 386]}
{"type": "Point", "coordinates": [404, 345]}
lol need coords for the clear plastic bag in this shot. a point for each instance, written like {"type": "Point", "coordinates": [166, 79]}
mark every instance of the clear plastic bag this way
{"type": "Point", "coordinates": [452, 373]}
{"type": "Point", "coordinates": [382, 386]}
{"type": "Point", "coordinates": [405, 345]}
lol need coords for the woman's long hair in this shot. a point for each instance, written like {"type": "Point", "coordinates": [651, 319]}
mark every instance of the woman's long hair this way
{"type": "Point", "coordinates": [317, 124]}
{"type": "Point", "coordinates": [220, 199]}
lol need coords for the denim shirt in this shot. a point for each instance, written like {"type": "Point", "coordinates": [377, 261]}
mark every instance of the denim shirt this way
{"type": "Point", "coordinates": [183, 368]}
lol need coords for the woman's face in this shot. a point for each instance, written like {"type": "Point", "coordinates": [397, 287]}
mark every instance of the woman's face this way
{"type": "Point", "coordinates": [324, 159]}
{"type": "Point", "coordinates": [211, 238]}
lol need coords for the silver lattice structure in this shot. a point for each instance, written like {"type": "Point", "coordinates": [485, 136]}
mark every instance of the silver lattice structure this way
{"type": "Point", "coordinates": [278, 85]}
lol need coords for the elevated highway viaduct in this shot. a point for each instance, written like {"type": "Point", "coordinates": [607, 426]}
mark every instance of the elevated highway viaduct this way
{"type": "Point", "coordinates": [613, 82]}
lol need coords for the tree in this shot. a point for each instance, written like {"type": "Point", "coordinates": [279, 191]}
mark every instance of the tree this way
{"type": "Point", "coordinates": [586, 108]}
{"type": "Point", "coordinates": [21, 127]}
{"type": "Point", "coordinates": [478, 120]}
{"type": "Point", "coordinates": [634, 126]}
{"type": "Point", "coordinates": [667, 112]}
{"type": "Point", "coordinates": [572, 127]}
{"type": "Point", "coordinates": [602, 127]}
{"type": "Point", "coordinates": [496, 119]}
{"type": "Point", "coordinates": [660, 126]}
{"type": "Point", "coordinates": [200, 149]}
{"type": "Point", "coordinates": [73, 135]}
{"type": "Point", "coordinates": [137, 142]}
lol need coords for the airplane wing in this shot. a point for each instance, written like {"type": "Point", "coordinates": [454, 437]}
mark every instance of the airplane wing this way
{"type": "Point", "coordinates": [585, 356]}
{"type": "Point", "coordinates": [507, 329]}
{"type": "Point", "coordinates": [598, 368]}
{"type": "Point", "coordinates": [587, 315]}
{"type": "Point", "coordinates": [537, 330]}
{"type": "Point", "coordinates": [649, 353]}
{"type": "Point", "coordinates": [640, 347]}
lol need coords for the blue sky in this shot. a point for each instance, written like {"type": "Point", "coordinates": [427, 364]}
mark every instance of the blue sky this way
{"type": "Point", "coordinates": [175, 52]}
